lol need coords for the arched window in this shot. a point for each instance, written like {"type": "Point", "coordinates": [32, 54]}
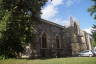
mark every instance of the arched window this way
{"type": "Point", "coordinates": [57, 42]}
{"type": "Point", "coordinates": [75, 26]}
{"type": "Point", "coordinates": [76, 29]}
{"type": "Point", "coordinates": [44, 41]}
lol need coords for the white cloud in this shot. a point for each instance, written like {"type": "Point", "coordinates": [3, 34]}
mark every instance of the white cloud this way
{"type": "Point", "coordinates": [88, 30]}
{"type": "Point", "coordinates": [49, 12]}
{"type": "Point", "coordinates": [69, 3]}
{"type": "Point", "coordinates": [62, 22]}
{"type": "Point", "coordinates": [57, 2]}
{"type": "Point", "coordinates": [67, 24]}
{"type": "Point", "coordinates": [59, 21]}
{"type": "Point", "coordinates": [51, 9]}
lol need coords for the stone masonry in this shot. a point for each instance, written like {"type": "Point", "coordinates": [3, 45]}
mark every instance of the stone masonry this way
{"type": "Point", "coordinates": [53, 40]}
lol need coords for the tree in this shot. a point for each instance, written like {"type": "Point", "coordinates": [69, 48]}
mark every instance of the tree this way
{"type": "Point", "coordinates": [92, 11]}
{"type": "Point", "coordinates": [19, 18]}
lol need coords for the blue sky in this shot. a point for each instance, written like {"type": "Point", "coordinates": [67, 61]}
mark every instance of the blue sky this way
{"type": "Point", "coordinates": [59, 11]}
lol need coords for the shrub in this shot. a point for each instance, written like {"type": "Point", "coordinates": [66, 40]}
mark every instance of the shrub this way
{"type": "Point", "coordinates": [2, 57]}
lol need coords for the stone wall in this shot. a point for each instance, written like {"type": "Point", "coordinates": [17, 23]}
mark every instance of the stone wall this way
{"type": "Point", "coordinates": [53, 40]}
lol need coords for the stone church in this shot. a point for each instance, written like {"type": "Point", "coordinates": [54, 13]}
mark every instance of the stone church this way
{"type": "Point", "coordinates": [53, 40]}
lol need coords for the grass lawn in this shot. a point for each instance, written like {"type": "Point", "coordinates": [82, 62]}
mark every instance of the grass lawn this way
{"type": "Point", "coordinates": [70, 60]}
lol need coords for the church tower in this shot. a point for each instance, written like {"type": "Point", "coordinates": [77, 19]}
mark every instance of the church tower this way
{"type": "Point", "coordinates": [75, 24]}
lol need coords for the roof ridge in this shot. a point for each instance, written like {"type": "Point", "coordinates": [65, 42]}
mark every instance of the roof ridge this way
{"type": "Point", "coordinates": [52, 23]}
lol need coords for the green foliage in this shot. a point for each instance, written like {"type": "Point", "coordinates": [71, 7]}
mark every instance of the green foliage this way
{"type": "Point", "coordinates": [94, 35]}
{"type": "Point", "coordinates": [17, 21]}
{"type": "Point", "coordinates": [23, 6]}
{"type": "Point", "coordinates": [94, 43]}
{"type": "Point", "coordinates": [3, 57]}
{"type": "Point", "coordinates": [68, 60]}
{"type": "Point", "coordinates": [92, 11]}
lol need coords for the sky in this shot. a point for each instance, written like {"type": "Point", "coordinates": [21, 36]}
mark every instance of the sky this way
{"type": "Point", "coordinates": [59, 11]}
